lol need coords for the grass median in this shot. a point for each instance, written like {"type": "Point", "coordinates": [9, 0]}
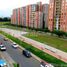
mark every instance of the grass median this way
{"type": "Point", "coordinates": [53, 41]}
{"type": "Point", "coordinates": [14, 27]}
{"type": "Point", "coordinates": [48, 58]}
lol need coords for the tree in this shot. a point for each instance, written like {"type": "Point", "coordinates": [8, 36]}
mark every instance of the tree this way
{"type": "Point", "coordinates": [5, 19]}
{"type": "Point", "coordinates": [1, 19]}
{"type": "Point", "coordinates": [46, 30]}
{"type": "Point", "coordinates": [59, 33]}
{"type": "Point", "coordinates": [66, 34]}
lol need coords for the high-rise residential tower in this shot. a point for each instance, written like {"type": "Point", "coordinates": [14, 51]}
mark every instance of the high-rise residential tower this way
{"type": "Point", "coordinates": [57, 15]}
{"type": "Point", "coordinates": [45, 15]}
{"type": "Point", "coordinates": [30, 16]}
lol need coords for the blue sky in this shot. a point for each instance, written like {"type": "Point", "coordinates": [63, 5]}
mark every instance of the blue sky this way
{"type": "Point", "coordinates": [6, 6]}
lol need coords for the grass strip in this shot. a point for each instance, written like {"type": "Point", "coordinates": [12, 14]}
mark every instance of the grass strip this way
{"type": "Point", "coordinates": [53, 41]}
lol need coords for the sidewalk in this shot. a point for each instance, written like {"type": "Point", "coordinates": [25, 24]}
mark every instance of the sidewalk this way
{"type": "Point", "coordinates": [50, 50]}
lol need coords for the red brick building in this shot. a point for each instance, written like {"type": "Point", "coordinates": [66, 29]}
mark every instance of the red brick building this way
{"type": "Point", "coordinates": [51, 15]}
{"type": "Point", "coordinates": [18, 16]}
{"type": "Point", "coordinates": [29, 16]}
{"type": "Point", "coordinates": [57, 15]}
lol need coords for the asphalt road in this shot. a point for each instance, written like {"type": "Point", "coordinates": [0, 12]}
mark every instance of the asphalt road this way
{"type": "Point", "coordinates": [18, 57]}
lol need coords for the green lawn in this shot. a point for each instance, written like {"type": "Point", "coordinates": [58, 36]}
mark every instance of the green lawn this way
{"type": "Point", "coordinates": [37, 52]}
{"type": "Point", "coordinates": [4, 23]}
{"type": "Point", "coordinates": [8, 25]}
{"type": "Point", "coordinates": [53, 41]}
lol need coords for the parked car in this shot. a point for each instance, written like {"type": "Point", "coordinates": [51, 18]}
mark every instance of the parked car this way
{"type": "Point", "coordinates": [27, 53]}
{"type": "Point", "coordinates": [44, 64]}
{"type": "Point", "coordinates": [2, 48]}
{"type": "Point", "coordinates": [15, 45]}
{"type": "Point", "coordinates": [3, 63]}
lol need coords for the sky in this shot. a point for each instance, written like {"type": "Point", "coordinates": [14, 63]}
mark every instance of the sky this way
{"type": "Point", "coordinates": [6, 6]}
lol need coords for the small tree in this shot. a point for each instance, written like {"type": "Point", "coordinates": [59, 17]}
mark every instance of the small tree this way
{"type": "Point", "coordinates": [66, 34]}
{"type": "Point", "coordinates": [46, 30]}
{"type": "Point", "coordinates": [59, 33]}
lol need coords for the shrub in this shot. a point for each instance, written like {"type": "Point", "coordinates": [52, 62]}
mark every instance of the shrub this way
{"type": "Point", "coordinates": [59, 33]}
{"type": "Point", "coordinates": [66, 34]}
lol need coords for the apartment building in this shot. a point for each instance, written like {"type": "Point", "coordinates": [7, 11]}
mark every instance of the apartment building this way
{"type": "Point", "coordinates": [45, 15]}
{"type": "Point", "coordinates": [63, 17]}
{"type": "Point", "coordinates": [18, 16]}
{"type": "Point", "coordinates": [39, 15]}
{"type": "Point", "coordinates": [11, 19]}
{"type": "Point", "coordinates": [30, 16]}
{"type": "Point", "coordinates": [14, 16]}
{"type": "Point", "coordinates": [51, 15]}
{"type": "Point", "coordinates": [57, 15]}
{"type": "Point", "coordinates": [27, 16]}
{"type": "Point", "coordinates": [32, 11]}
{"type": "Point", "coordinates": [24, 16]}
{"type": "Point", "coordinates": [21, 17]}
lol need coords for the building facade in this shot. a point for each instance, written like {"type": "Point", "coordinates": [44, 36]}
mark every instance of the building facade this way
{"type": "Point", "coordinates": [39, 15]}
{"type": "Point", "coordinates": [27, 16]}
{"type": "Point", "coordinates": [51, 15]}
{"type": "Point", "coordinates": [45, 15]}
{"type": "Point", "coordinates": [32, 11]}
{"type": "Point", "coordinates": [30, 16]}
{"type": "Point", "coordinates": [63, 17]}
{"type": "Point", "coordinates": [57, 15]}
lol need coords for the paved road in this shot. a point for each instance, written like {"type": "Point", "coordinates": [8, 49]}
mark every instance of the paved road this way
{"type": "Point", "coordinates": [16, 54]}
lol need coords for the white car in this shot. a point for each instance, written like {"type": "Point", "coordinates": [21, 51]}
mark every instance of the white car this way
{"type": "Point", "coordinates": [45, 65]}
{"type": "Point", "coordinates": [2, 48]}
{"type": "Point", "coordinates": [15, 45]}
{"type": "Point", "coordinates": [50, 65]}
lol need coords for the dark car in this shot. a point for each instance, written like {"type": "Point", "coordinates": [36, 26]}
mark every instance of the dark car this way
{"type": "Point", "coordinates": [27, 53]}
{"type": "Point", "coordinates": [5, 39]}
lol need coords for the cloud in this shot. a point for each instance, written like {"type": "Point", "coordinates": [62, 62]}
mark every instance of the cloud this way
{"type": "Point", "coordinates": [9, 5]}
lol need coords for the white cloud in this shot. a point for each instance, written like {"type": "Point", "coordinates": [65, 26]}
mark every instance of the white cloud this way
{"type": "Point", "coordinates": [9, 5]}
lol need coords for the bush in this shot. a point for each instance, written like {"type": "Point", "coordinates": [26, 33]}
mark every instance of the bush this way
{"type": "Point", "coordinates": [46, 30]}
{"type": "Point", "coordinates": [66, 34]}
{"type": "Point", "coordinates": [59, 33]}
